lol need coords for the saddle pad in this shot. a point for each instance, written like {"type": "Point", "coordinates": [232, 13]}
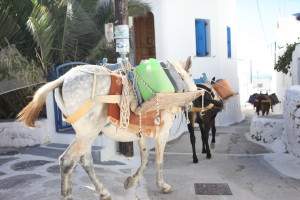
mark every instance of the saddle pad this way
{"type": "Point", "coordinates": [132, 79]}
{"type": "Point", "coordinates": [175, 78]}
{"type": "Point", "coordinates": [113, 112]}
{"type": "Point", "coordinates": [274, 99]}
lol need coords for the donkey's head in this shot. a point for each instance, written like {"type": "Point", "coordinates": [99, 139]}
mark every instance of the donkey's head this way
{"type": "Point", "coordinates": [183, 68]}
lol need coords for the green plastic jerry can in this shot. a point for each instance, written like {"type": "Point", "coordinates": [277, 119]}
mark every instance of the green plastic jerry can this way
{"type": "Point", "coordinates": [151, 79]}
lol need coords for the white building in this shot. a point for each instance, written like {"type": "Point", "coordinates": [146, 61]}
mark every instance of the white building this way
{"type": "Point", "coordinates": [176, 33]}
{"type": "Point", "coordinates": [288, 32]}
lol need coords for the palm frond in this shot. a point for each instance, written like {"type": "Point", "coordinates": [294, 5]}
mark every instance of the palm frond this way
{"type": "Point", "coordinates": [80, 32]}
{"type": "Point", "coordinates": [42, 29]}
{"type": "Point", "coordinates": [9, 26]}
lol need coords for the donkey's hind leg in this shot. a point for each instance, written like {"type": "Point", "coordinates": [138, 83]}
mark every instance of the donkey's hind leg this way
{"type": "Point", "coordinates": [67, 164]}
{"type": "Point", "coordinates": [68, 160]}
{"type": "Point", "coordinates": [206, 136]}
{"type": "Point", "coordinates": [132, 180]}
{"type": "Point", "coordinates": [86, 161]}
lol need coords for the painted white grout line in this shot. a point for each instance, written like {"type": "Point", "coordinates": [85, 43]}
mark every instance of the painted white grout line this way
{"type": "Point", "coordinates": [237, 155]}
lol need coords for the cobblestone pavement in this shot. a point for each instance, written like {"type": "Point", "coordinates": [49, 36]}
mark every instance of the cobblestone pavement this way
{"type": "Point", "coordinates": [236, 162]}
{"type": "Point", "coordinates": [31, 177]}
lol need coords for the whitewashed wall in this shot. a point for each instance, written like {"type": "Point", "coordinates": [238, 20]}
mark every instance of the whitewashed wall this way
{"type": "Point", "coordinates": [284, 81]}
{"type": "Point", "coordinates": [292, 119]}
{"type": "Point", "coordinates": [175, 39]}
{"type": "Point", "coordinates": [285, 36]}
{"type": "Point", "coordinates": [295, 66]}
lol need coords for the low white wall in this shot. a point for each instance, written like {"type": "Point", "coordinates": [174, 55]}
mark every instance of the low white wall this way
{"type": "Point", "coordinates": [269, 128]}
{"type": "Point", "coordinates": [292, 119]}
{"type": "Point", "coordinates": [16, 134]}
{"type": "Point", "coordinates": [231, 112]}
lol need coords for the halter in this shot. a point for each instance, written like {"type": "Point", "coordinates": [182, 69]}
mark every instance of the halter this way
{"type": "Point", "coordinates": [213, 95]}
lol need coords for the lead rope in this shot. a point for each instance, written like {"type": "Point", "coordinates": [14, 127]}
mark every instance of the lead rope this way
{"type": "Point", "coordinates": [157, 117]}
{"type": "Point", "coordinates": [187, 114]}
{"type": "Point", "coordinates": [202, 106]}
{"type": "Point", "coordinates": [140, 124]}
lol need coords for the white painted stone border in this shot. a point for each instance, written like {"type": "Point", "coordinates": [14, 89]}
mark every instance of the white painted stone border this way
{"type": "Point", "coordinates": [16, 134]}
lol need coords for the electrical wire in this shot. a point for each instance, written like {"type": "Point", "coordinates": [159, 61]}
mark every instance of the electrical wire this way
{"type": "Point", "coordinates": [261, 21]}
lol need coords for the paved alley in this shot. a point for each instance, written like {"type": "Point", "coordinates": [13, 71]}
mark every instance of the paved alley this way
{"type": "Point", "coordinates": [236, 162]}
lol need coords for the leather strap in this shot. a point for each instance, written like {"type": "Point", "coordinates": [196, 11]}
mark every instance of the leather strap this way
{"type": "Point", "coordinates": [84, 108]}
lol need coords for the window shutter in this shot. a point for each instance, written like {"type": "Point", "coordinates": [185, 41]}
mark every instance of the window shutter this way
{"type": "Point", "coordinates": [201, 41]}
{"type": "Point", "coordinates": [228, 42]}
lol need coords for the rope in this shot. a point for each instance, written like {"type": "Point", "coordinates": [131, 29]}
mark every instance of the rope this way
{"type": "Point", "coordinates": [201, 113]}
{"type": "Point", "coordinates": [125, 104]}
{"type": "Point", "coordinates": [94, 86]}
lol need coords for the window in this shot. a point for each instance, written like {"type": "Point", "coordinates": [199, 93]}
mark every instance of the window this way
{"type": "Point", "coordinates": [228, 42]}
{"type": "Point", "coordinates": [202, 36]}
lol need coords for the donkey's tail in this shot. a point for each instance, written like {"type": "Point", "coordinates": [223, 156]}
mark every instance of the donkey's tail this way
{"type": "Point", "coordinates": [30, 113]}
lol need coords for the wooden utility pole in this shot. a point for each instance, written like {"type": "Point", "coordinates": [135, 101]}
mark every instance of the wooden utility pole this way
{"type": "Point", "coordinates": [121, 15]}
{"type": "Point", "coordinates": [121, 12]}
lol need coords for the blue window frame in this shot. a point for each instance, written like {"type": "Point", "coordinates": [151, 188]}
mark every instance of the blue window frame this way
{"type": "Point", "coordinates": [201, 37]}
{"type": "Point", "coordinates": [228, 42]}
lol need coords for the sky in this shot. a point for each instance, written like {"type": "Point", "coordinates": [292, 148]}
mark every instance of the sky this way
{"type": "Point", "coordinates": [256, 29]}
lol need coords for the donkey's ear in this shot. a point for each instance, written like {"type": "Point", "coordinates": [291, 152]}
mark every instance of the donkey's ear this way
{"type": "Point", "coordinates": [213, 80]}
{"type": "Point", "coordinates": [188, 64]}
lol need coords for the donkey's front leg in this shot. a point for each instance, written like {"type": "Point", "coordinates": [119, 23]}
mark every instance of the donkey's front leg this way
{"type": "Point", "coordinates": [132, 180]}
{"type": "Point", "coordinates": [213, 130]}
{"type": "Point", "coordinates": [161, 140]}
{"type": "Point", "coordinates": [159, 152]}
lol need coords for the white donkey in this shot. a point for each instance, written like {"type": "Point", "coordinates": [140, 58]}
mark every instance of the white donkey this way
{"type": "Point", "coordinates": [76, 89]}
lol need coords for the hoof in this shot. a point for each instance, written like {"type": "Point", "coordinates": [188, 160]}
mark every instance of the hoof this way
{"type": "Point", "coordinates": [212, 145]}
{"type": "Point", "coordinates": [167, 189]}
{"type": "Point", "coordinates": [105, 197]}
{"type": "Point", "coordinates": [195, 160]}
{"type": "Point", "coordinates": [67, 198]}
{"type": "Point", "coordinates": [208, 156]}
{"type": "Point", "coordinates": [129, 182]}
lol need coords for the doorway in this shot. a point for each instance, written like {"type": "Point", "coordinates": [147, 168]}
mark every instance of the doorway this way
{"type": "Point", "coordinates": [144, 37]}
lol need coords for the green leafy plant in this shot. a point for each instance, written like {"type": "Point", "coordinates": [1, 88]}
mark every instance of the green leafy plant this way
{"type": "Point", "coordinates": [13, 18]}
{"type": "Point", "coordinates": [45, 33]}
{"type": "Point", "coordinates": [13, 65]}
{"type": "Point", "coordinates": [284, 61]}
{"type": "Point", "coordinates": [73, 30]}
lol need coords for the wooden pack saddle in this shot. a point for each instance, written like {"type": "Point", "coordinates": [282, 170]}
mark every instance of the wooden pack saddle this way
{"type": "Point", "coordinates": [148, 126]}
